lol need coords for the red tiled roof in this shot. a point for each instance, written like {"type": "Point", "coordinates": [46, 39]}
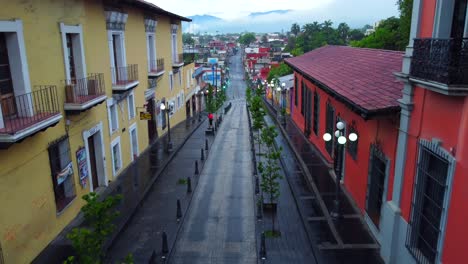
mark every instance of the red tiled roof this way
{"type": "Point", "coordinates": [362, 76]}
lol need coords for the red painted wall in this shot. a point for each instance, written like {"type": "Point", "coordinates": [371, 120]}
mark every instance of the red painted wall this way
{"type": "Point", "coordinates": [427, 18]}
{"type": "Point", "coordinates": [384, 130]}
{"type": "Point", "coordinates": [457, 231]}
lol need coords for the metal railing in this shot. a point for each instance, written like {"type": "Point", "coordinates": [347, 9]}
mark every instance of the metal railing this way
{"type": "Point", "coordinates": [178, 58]}
{"type": "Point", "coordinates": [80, 91]}
{"type": "Point", "coordinates": [189, 58]}
{"type": "Point", "coordinates": [124, 75]}
{"type": "Point", "coordinates": [441, 60]}
{"type": "Point", "coordinates": [22, 111]}
{"type": "Point", "coordinates": [156, 65]}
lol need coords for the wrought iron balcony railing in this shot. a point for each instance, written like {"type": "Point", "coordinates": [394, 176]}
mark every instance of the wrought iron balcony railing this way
{"type": "Point", "coordinates": [23, 111]}
{"type": "Point", "coordinates": [124, 75]}
{"type": "Point", "coordinates": [81, 91]}
{"type": "Point", "coordinates": [441, 60]}
{"type": "Point", "coordinates": [178, 58]}
{"type": "Point", "coordinates": [156, 66]}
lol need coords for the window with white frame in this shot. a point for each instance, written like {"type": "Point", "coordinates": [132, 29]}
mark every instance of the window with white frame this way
{"type": "Point", "coordinates": [116, 156]}
{"type": "Point", "coordinates": [131, 106]}
{"type": "Point", "coordinates": [113, 115]}
{"type": "Point", "coordinates": [115, 24]}
{"type": "Point", "coordinates": [174, 29]}
{"type": "Point", "coordinates": [14, 74]}
{"type": "Point", "coordinates": [151, 51]}
{"type": "Point", "coordinates": [134, 141]}
{"type": "Point", "coordinates": [171, 80]}
{"type": "Point", "coordinates": [73, 51]}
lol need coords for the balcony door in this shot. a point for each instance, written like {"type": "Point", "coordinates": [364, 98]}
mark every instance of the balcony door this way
{"type": "Point", "coordinates": [7, 97]}
{"type": "Point", "coordinates": [71, 59]}
{"type": "Point", "coordinates": [459, 20]}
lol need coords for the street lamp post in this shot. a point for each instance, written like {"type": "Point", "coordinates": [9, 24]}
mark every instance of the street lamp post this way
{"type": "Point", "coordinates": [341, 138]}
{"type": "Point", "coordinates": [165, 108]}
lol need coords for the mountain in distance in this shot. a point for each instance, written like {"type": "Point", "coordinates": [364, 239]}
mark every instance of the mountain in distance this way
{"type": "Point", "coordinates": [201, 19]}
{"type": "Point", "coordinates": [255, 14]}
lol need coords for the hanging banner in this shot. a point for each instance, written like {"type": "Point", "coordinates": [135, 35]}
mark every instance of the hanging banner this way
{"type": "Point", "coordinates": [63, 175]}
{"type": "Point", "coordinates": [82, 165]}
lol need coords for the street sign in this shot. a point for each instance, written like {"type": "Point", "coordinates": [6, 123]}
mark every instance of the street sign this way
{"type": "Point", "coordinates": [145, 116]}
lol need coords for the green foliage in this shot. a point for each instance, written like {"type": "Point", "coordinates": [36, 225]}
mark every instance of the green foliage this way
{"type": "Point", "coordinates": [247, 38]}
{"type": "Point", "coordinates": [386, 36]}
{"type": "Point", "coordinates": [248, 95]}
{"type": "Point", "coordinates": [187, 39]}
{"type": "Point", "coordinates": [355, 35]}
{"type": "Point", "coordinates": [182, 181]}
{"type": "Point", "coordinates": [405, 7]}
{"type": "Point", "coordinates": [295, 29]}
{"type": "Point", "coordinates": [282, 70]}
{"type": "Point", "coordinates": [270, 169]}
{"type": "Point", "coordinates": [88, 241]}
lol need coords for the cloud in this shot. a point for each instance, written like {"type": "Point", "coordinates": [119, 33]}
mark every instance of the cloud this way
{"type": "Point", "coordinates": [356, 13]}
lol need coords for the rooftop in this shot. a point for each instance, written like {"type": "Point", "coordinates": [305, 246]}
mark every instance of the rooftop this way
{"type": "Point", "coordinates": [361, 77]}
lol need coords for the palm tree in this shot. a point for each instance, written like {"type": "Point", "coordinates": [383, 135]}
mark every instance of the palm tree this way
{"type": "Point", "coordinates": [295, 29]}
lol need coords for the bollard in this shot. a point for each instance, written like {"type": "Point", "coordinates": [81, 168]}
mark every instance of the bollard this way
{"type": "Point", "coordinates": [202, 155]}
{"type": "Point", "coordinates": [259, 211]}
{"type": "Point", "coordinates": [196, 168]}
{"type": "Point", "coordinates": [262, 247]}
{"type": "Point", "coordinates": [179, 211]}
{"type": "Point", "coordinates": [206, 144]}
{"type": "Point", "coordinates": [189, 185]}
{"type": "Point", "coordinates": [165, 248]}
{"type": "Point", "coordinates": [257, 187]}
{"type": "Point", "coordinates": [152, 259]}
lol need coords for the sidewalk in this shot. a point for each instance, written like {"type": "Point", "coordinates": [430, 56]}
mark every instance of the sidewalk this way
{"type": "Point", "coordinates": [352, 241]}
{"type": "Point", "coordinates": [156, 213]}
{"type": "Point", "coordinates": [133, 184]}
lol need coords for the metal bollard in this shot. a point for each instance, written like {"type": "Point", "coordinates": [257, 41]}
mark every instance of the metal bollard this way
{"type": "Point", "coordinates": [257, 186]}
{"type": "Point", "coordinates": [189, 185]}
{"type": "Point", "coordinates": [179, 211]}
{"type": "Point", "coordinates": [165, 248]}
{"type": "Point", "coordinates": [206, 144]}
{"type": "Point", "coordinates": [263, 248]}
{"type": "Point", "coordinates": [259, 212]}
{"type": "Point", "coordinates": [202, 155]}
{"type": "Point", "coordinates": [196, 168]}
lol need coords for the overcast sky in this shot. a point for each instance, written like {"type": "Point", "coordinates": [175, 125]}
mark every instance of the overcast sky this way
{"type": "Point", "coordinates": [354, 12]}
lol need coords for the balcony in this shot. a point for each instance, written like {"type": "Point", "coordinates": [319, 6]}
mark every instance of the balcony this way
{"type": "Point", "coordinates": [189, 58]}
{"type": "Point", "coordinates": [124, 78]}
{"type": "Point", "coordinates": [156, 68]}
{"type": "Point", "coordinates": [177, 60]}
{"type": "Point", "coordinates": [24, 115]}
{"type": "Point", "coordinates": [150, 92]}
{"type": "Point", "coordinates": [441, 65]}
{"type": "Point", "coordinates": [85, 93]}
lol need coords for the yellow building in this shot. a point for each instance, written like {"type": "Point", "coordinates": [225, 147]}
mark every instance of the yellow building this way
{"type": "Point", "coordinates": [74, 76]}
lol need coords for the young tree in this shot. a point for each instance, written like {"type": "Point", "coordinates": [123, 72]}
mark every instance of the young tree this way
{"type": "Point", "coordinates": [270, 171]}
{"type": "Point", "coordinates": [88, 241]}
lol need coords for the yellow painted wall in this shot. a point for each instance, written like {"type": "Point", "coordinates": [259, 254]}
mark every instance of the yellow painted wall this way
{"type": "Point", "coordinates": [28, 218]}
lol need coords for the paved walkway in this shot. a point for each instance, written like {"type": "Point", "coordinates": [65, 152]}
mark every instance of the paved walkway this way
{"type": "Point", "coordinates": [220, 225]}
{"type": "Point", "coordinates": [157, 212]}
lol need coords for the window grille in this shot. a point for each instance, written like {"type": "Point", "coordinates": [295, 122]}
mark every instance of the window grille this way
{"type": "Point", "coordinates": [427, 207]}
{"type": "Point", "coordinates": [330, 127]}
{"type": "Point", "coordinates": [62, 172]}
{"type": "Point", "coordinates": [316, 112]}
{"type": "Point", "coordinates": [296, 91]}
{"type": "Point", "coordinates": [376, 184]}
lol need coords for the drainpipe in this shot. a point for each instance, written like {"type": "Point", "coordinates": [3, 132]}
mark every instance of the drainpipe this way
{"type": "Point", "coordinates": [391, 240]}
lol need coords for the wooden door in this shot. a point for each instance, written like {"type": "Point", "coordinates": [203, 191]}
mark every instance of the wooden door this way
{"type": "Point", "coordinates": [152, 131]}
{"type": "Point", "coordinates": [92, 161]}
{"type": "Point", "coordinates": [7, 97]}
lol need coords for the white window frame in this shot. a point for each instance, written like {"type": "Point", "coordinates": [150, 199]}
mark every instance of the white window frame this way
{"type": "Point", "coordinates": [131, 106]}
{"type": "Point", "coordinates": [78, 50]}
{"type": "Point", "coordinates": [18, 64]}
{"type": "Point", "coordinates": [171, 80]}
{"type": "Point", "coordinates": [121, 53]}
{"type": "Point", "coordinates": [174, 30]}
{"type": "Point", "coordinates": [151, 48]}
{"type": "Point", "coordinates": [130, 130]}
{"type": "Point", "coordinates": [112, 107]}
{"type": "Point", "coordinates": [115, 142]}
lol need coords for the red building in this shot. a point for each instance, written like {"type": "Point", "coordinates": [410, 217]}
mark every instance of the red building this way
{"type": "Point", "coordinates": [357, 87]}
{"type": "Point", "coordinates": [423, 136]}
{"type": "Point", "coordinates": [426, 219]}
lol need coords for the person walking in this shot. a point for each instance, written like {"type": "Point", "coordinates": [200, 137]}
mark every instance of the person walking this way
{"type": "Point", "coordinates": [210, 118]}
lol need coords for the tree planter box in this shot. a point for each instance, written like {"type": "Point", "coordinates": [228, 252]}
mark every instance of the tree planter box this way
{"type": "Point", "coordinates": [270, 207]}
